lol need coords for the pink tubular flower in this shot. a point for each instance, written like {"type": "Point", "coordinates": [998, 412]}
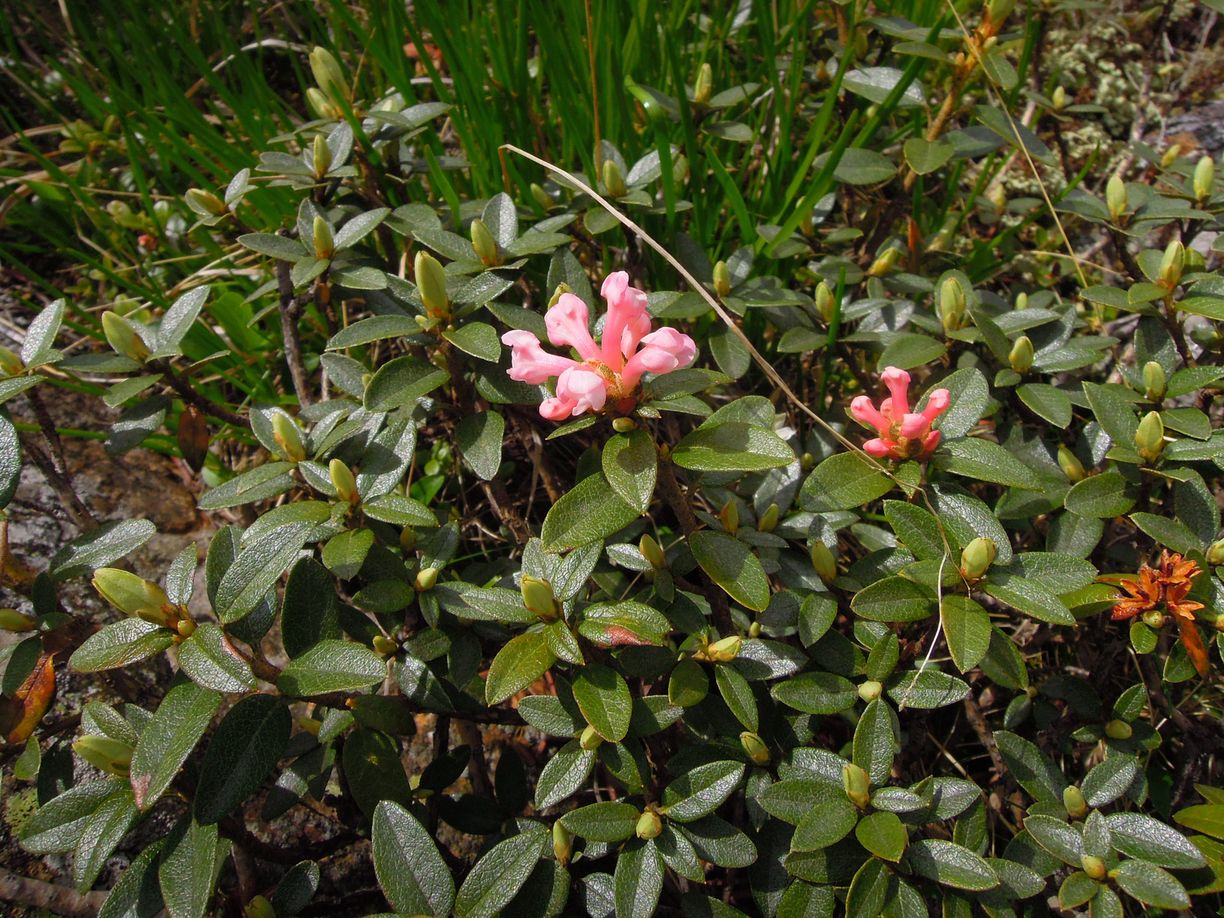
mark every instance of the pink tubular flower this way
{"type": "Point", "coordinates": [902, 434]}
{"type": "Point", "coordinates": [610, 369]}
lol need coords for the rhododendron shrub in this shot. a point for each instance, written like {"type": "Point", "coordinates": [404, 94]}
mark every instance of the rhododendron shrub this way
{"type": "Point", "coordinates": [542, 574]}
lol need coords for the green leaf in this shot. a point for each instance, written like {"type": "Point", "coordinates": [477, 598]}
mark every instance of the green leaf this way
{"type": "Point", "coordinates": [373, 770]}
{"type": "Point", "coordinates": [883, 835]}
{"type": "Point", "coordinates": [359, 227]}
{"type": "Point", "coordinates": [906, 351]}
{"type": "Point", "coordinates": [136, 893]}
{"type": "Point", "coordinates": [871, 889]}
{"type": "Point", "coordinates": [917, 529]}
{"type": "Point", "coordinates": [638, 881]}
{"type": "Point", "coordinates": [241, 755]}
{"type": "Point", "coordinates": [1030, 597]}
{"type": "Point", "coordinates": [36, 349]}
{"type": "Point", "coordinates": [209, 660]}
{"type": "Point", "coordinates": [268, 480]}
{"type": "Point", "coordinates": [257, 568]}
{"type": "Point", "coordinates": [609, 821]}
{"type": "Point", "coordinates": [824, 823]}
{"type": "Point", "coordinates": [100, 835]}
{"type": "Point", "coordinates": [345, 552]}
{"type": "Point", "coordinates": [518, 664]}
{"type": "Point", "coordinates": [479, 437]}
{"type": "Point", "coordinates": [499, 874]}
{"type": "Point", "coordinates": [10, 460]}
{"type": "Point", "coordinates": [588, 512]}
{"type": "Point", "coordinates": [630, 463]}
{"type": "Point", "coordinates": [1030, 767]}
{"type": "Point", "coordinates": [688, 684]}
{"type": "Point", "coordinates": [1109, 780]}
{"type": "Point", "coordinates": [925, 156]}
{"type": "Point", "coordinates": [737, 694]}
{"type": "Point", "coordinates": [310, 609]}
{"type": "Point", "coordinates": [374, 328]}
{"type": "Point", "coordinates": [1170, 533]}
{"type": "Point", "coordinates": [409, 868]}
{"type": "Point", "coordinates": [168, 738]}
{"type": "Point", "coordinates": [966, 627]}
{"type": "Point", "coordinates": [1151, 885]}
{"type": "Point", "coordinates": [926, 688]}
{"type": "Point", "coordinates": [618, 624]}
{"type": "Point", "coordinates": [279, 247]}
{"type": "Point", "coordinates": [119, 644]}
{"type": "Point", "coordinates": [563, 774]}
{"type": "Point", "coordinates": [893, 599]}
{"type": "Point", "coordinates": [331, 666]}
{"type": "Point", "coordinates": [100, 548]}
{"type": "Point", "coordinates": [1143, 837]}
{"type": "Point", "coordinates": [875, 742]}
{"type": "Point", "coordinates": [1047, 402]}
{"type": "Point", "coordinates": [732, 446]}
{"type": "Point", "coordinates": [700, 791]}
{"type": "Point", "coordinates": [189, 867]}
{"type": "Point", "coordinates": [1114, 411]}
{"type": "Point", "coordinates": [477, 339]}
{"type": "Point", "coordinates": [860, 166]}
{"type": "Point", "coordinates": [985, 460]}
{"type": "Point", "coordinates": [1057, 837]}
{"type": "Point", "coordinates": [400, 382]}
{"type": "Point", "coordinates": [603, 697]}
{"type": "Point", "coordinates": [950, 865]}
{"type": "Point", "coordinates": [177, 321]}
{"type": "Point", "coordinates": [1207, 818]}
{"type": "Point", "coordinates": [732, 565]}
{"type": "Point", "coordinates": [844, 481]}
{"type": "Point", "coordinates": [816, 693]}
{"type": "Point", "coordinates": [1100, 496]}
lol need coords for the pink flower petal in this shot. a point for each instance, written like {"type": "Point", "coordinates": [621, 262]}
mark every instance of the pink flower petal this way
{"type": "Point", "coordinates": [878, 448]}
{"type": "Point", "coordinates": [662, 351]}
{"type": "Point", "coordinates": [554, 409]}
{"type": "Point", "coordinates": [929, 444]}
{"type": "Point", "coordinates": [626, 309]}
{"type": "Point", "coordinates": [584, 389]}
{"type": "Point", "coordinates": [568, 326]}
{"type": "Point", "coordinates": [529, 363]}
{"type": "Point", "coordinates": [863, 411]}
{"type": "Point", "coordinates": [897, 382]}
{"type": "Point", "coordinates": [937, 404]}
{"type": "Point", "coordinates": [914, 426]}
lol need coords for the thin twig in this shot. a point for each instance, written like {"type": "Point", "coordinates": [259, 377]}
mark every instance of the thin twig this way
{"type": "Point", "coordinates": [59, 483]}
{"type": "Point", "coordinates": [60, 900]}
{"type": "Point", "coordinates": [289, 311]}
{"type": "Point", "coordinates": [189, 395]}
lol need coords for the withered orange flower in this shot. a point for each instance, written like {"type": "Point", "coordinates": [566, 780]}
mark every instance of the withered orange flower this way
{"type": "Point", "coordinates": [1164, 588]}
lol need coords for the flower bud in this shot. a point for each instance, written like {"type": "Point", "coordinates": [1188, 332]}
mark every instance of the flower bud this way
{"type": "Point", "coordinates": [288, 437]}
{"type": "Point", "coordinates": [999, 10]}
{"type": "Point", "coordinates": [884, 262]}
{"type": "Point", "coordinates": [327, 74]}
{"type": "Point", "coordinates": [1021, 301]}
{"type": "Point", "coordinates": [110, 755]}
{"type": "Point", "coordinates": [825, 307]}
{"type": "Point", "coordinates": [1059, 98]}
{"type": "Point", "coordinates": [1070, 464]}
{"type": "Point", "coordinates": [385, 646]}
{"type": "Point", "coordinates": [1149, 438]}
{"type": "Point", "coordinates": [205, 202]}
{"type": "Point", "coordinates": [321, 153]}
{"type": "Point", "coordinates": [1154, 382]}
{"type": "Point", "coordinates": [754, 747]}
{"type": "Point", "coordinates": [1171, 265]}
{"type": "Point", "coordinates": [259, 907]}
{"type": "Point", "coordinates": [562, 288]}
{"type": "Point", "coordinates": [623, 424]}
{"type": "Point", "coordinates": [10, 363]}
{"type": "Point", "coordinates": [769, 519]}
{"type": "Point", "coordinates": [589, 739]}
{"type": "Point", "coordinates": [1074, 803]}
{"type": "Point", "coordinates": [857, 785]}
{"type": "Point", "coordinates": [729, 516]}
{"type": "Point", "coordinates": [977, 557]}
{"type": "Point", "coordinates": [484, 244]}
{"type": "Point", "coordinates": [652, 551]}
{"type": "Point", "coordinates": [543, 200]}
{"type": "Point", "coordinates": [870, 690]}
{"type": "Point", "coordinates": [997, 196]}
{"type": "Point", "coordinates": [722, 278]}
{"type": "Point", "coordinates": [426, 579]}
{"type": "Point", "coordinates": [1170, 155]}
{"type": "Point", "coordinates": [407, 538]}
{"type": "Point", "coordinates": [562, 842]}
{"type": "Point", "coordinates": [121, 336]}
{"type": "Point", "coordinates": [1118, 729]}
{"type": "Point", "coordinates": [538, 598]}
{"type": "Point", "coordinates": [431, 282]}
{"type": "Point", "coordinates": [1154, 619]}
{"type": "Point", "coordinates": [12, 620]}
{"type": "Point", "coordinates": [952, 304]}
{"type": "Point", "coordinates": [1093, 866]}
{"type": "Point", "coordinates": [1215, 554]}
{"type": "Point", "coordinates": [1115, 197]}
{"type": "Point", "coordinates": [704, 86]}
{"type": "Point", "coordinates": [132, 595]}
{"type": "Point", "coordinates": [823, 561]}
{"type": "Point", "coordinates": [324, 241]}
{"type": "Point", "coordinates": [320, 106]}
{"type": "Point", "coordinates": [725, 650]}
{"type": "Point", "coordinates": [1204, 178]}
{"type": "Point", "coordinates": [649, 825]}
{"type": "Point", "coordinates": [1021, 356]}
{"type": "Point", "coordinates": [614, 182]}
{"type": "Point", "coordinates": [754, 630]}
{"type": "Point", "coordinates": [343, 481]}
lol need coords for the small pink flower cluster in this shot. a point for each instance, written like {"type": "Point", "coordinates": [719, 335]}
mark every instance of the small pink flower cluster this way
{"type": "Point", "coordinates": [902, 434]}
{"type": "Point", "coordinates": [611, 369]}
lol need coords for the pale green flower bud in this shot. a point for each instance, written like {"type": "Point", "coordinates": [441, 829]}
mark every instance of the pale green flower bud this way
{"type": "Point", "coordinates": [320, 106]}
{"type": "Point", "coordinates": [384, 646]}
{"type": "Point", "coordinates": [288, 437]}
{"type": "Point", "coordinates": [870, 690]}
{"type": "Point", "coordinates": [729, 516]}
{"type": "Point", "coordinates": [321, 153]}
{"type": "Point", "coordinates": [343, 481]}
{"type": "Point", "coordinates": [722, 278]}
{"type": "Point", "coordinates": [649, 825]}
{"type": "Point", "coordinates": [327, 73]}
{"type": "Point", "coordinates": [431, 282]}
{"type": "Point", "coordinates": [652, 552]}
{"type": "Point", "coordinates": [110, 755]}
{"type": "Point", "coordinates": [1070, 464]}
{"type": "Point", "coordinates": [952, 304]}
{"type": "Point", "coordinates": [562, 288]}
{"type": "Point", "coordinates": [769, 519]}
{"type": "Point", "coordinates": [884, 262]}
{"type": "Point", "coordinates": [10, 363]}
{"type": "Point", "coordinates": [614, 182]}
{"type": "Point", "coordinates": [538, 598]}
{"type": "Point", "coordinates": [1093, 866]}
{"type": "Point", "coordinates": [824, 303]}
{"type": "Point", "coordinates": [1171, 264]}
{"type": "Point", "coordinates": [1149, 438]}
{"type": "Point", "coordinates": [205, 202]}
{"type": "Point", "coordinates": [977, 557]}
{"type": "Point", "coordinates": [1118, 730]}
{"type": "Point", "coordinates": [426, 579]}
{"type": "Point", "coordinates": [823, 561]}
{"type": "Point", "coordinates": [704, 86]}
{"type": "Point", "coordinates": [590, 739]}
{"type": "Point", "coordinates": [1074, 802]}
{"type": "Point", "coordinates": [1170, 155]}
{"type": "Point", "coordinates": [132, 595]}
{"type": "Point", "coordinates": [754, 747]}
{"type": "Point", "coordinates": [1059, 98]}
{"type": "Point", "coordinates": [324, 241]}
{"type": "Point", "coordinates": [124, 338]}
{"type": "Point", "coordinates": [857, 785]}
{"type": "Point", "coordinates": [1154, 619]}
{"type": "Point", "coordinates": [562, 843]}
{"type": "Point", "coordinates": [623, 424]}
{"type": "Point", "coordinates": [1021, 356]}
{"type": "Point", "coordinates": [1021, 301]}
{"type": "Point", "coordinates": [1154, 382]}
{"type": "Point", "coordinates": [1204, 177]}
{"type": "Point", "coordinates": [259, 907]}
{"type": "Point", "coordinates": [1215, 554]}
{"type": "Point", "coordinates": [1115, 197]}
{"type": "Point", "coordinates": [999, 10]}
{"type": "Point", "coordinates": [542, 197]}
{"type": "Point", "coordinates": [725, 650]}
{"type": "Point", "coordinates": [484, 244]}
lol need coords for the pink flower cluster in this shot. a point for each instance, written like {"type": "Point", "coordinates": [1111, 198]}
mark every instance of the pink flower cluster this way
{"type": "Point", "coordinates": [610, 369]}
{"type": "Point", "coordinates": [902, 434]}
